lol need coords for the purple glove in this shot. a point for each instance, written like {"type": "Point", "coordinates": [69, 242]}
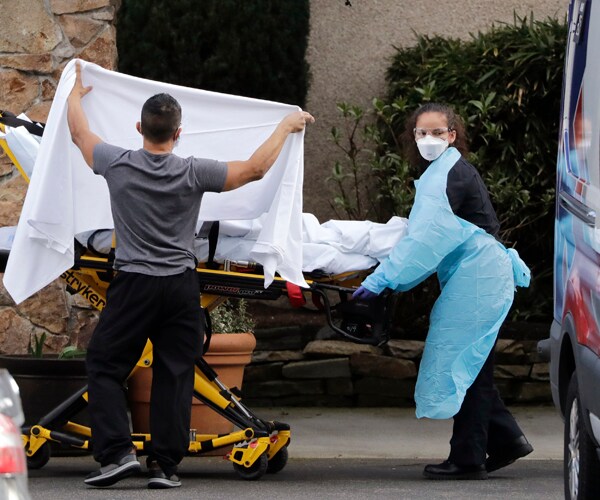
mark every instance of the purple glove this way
{"type": "Point", "coordinates": [363, 294]}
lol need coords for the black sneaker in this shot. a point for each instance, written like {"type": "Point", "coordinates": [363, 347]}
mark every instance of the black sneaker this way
{"type": "Point", "coordinates": [157, 479]}
{"type": "Point", "coordinates": [112, 473]}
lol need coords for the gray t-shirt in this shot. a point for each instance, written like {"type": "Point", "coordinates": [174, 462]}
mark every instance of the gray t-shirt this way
{"type": "Point", "coordinates": [155, 200]}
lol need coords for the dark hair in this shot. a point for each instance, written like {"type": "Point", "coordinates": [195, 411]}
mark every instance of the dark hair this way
{"type": "Point", "coordinates": [161, 117]}
{"type": "Point", "coordinates": [454, 123]}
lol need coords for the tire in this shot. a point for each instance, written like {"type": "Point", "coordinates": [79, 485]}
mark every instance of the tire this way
{"type": "Point", "coordinates": [255, 471]}
{"type": "Point", "coordinates": [40, 458]}
{"type": "Point", "coordinates": [581, 463]}
{"type": "Point", "coordinates": [278, 462]}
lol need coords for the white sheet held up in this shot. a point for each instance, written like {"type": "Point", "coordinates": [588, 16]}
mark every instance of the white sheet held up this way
{"type": "Point", "coordinates": [65, 197]}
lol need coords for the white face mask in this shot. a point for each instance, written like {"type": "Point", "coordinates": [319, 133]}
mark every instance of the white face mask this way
{"type": "Point", "coordinates": [431, 147]}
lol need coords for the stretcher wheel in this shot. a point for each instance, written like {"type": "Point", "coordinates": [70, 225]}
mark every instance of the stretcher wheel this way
{"type": "Point", "coordinates": [255, 471]}
{"type": "Point", "coordinates": [39, 458]}
{"type": "Point", "coordinates": [279, 461]}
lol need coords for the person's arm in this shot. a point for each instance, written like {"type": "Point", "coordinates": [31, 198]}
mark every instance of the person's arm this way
{"type": "Point", "coordinates": [81, 134]}
{"type": "Point", "coordinates": [243, 172]}
{"type": "Point", "coordinates": [456, 187]}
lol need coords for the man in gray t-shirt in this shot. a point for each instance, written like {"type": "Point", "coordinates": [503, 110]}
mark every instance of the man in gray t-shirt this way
{"type": "Point", "coordinates": [155, 199]}
{"type": "Point", "coordinates": [166, 191]}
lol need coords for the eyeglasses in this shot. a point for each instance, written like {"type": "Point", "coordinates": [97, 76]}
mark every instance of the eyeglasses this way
{"type": "Point", "coordinates": [434, 132]}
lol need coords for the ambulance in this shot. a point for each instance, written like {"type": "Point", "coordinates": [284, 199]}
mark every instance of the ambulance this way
{"type": "Point", "coordinates": [573, 348]}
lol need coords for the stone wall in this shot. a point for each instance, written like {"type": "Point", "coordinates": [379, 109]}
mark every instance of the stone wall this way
{"type": "Point", "coordinates": [292, 367]}
{"type": "Point", "coordinates": [37, 39]}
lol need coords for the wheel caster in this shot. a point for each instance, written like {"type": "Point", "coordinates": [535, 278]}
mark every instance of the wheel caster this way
{"type": "Point", "coordinates": [39, 458]}
{"type": "Point", "coordinates": [255, 471]}
{"type": "Point", "coordinates": [278, 461]}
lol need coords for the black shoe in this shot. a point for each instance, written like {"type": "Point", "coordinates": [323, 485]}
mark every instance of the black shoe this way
{"type": "Point", "coordinates": [519, 448]}
{"type": "Point", "coordinates": [157, 479]}
{"type": "Point", "coordinates": [112, 473]}
{"type": "Point", "coordinates": [448, 470]}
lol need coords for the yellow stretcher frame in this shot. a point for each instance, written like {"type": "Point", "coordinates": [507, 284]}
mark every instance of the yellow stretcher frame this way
{"type": "Point", "coordinates": [5, 147]}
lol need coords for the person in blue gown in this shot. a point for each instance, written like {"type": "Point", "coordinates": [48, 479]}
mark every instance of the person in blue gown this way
{"type": "Point", "coordinates": [453, 231]}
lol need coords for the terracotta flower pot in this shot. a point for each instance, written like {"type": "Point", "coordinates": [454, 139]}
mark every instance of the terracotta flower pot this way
{"type": "Point", "coordinates": [229, 353]}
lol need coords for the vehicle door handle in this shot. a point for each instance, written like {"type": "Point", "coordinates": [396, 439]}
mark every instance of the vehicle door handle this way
{"type": "Point", "coordinates": [578, 209]}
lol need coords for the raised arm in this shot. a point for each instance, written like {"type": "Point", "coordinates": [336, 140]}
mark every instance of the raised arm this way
{"type": "Point", "coordinates": [81, 134]}
{"type": "Point", "coordinates": [243, 172]}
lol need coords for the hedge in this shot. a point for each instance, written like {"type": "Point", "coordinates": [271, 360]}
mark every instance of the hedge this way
{"type": "Point", "coordinates": [506, 84]}
{"type": "Point", "coordinates": [253, 49]}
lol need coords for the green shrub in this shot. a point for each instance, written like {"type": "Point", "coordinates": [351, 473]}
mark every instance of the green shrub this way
{"type": "Point", "coordinates": [254, 49]}
{"type": "Point", "coordinates": [506, 84]}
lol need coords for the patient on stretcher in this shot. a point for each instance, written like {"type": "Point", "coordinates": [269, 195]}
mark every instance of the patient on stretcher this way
{"type": "Point", "coordinates": [333, 247]}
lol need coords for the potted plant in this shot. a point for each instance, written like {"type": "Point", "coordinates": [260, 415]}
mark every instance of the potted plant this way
{"type": "Point", "coordinates": [230, 350]}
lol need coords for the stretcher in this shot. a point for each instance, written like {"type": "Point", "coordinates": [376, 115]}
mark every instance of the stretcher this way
{"type": "Point", "coordinates": [257, 446]}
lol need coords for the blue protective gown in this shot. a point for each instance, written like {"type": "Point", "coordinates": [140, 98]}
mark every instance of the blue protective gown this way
{"type": "Point", "coordinates": [477, 275]}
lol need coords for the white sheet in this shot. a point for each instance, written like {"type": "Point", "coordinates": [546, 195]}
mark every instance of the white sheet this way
{"type": "Point", "coordinates": [7, 236]}
{"type": "Point", "coordinates": [23, 145]}
{"type": "Point", "coordinates": [333, 247]}
{"type": "Point", "coordinates": [325, 247]}
{"type": "Point", "coordinates": [65, 197]}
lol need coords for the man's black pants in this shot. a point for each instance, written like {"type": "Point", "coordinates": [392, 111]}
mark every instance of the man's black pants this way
{"type": "Point", "coordinates": [483, 423]}
{"type": "Point", "coordinates": [166, 310]}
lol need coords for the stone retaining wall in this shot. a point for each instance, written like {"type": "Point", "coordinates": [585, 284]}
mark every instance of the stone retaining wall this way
{"type": "Point", "coordinates": [290, 368]}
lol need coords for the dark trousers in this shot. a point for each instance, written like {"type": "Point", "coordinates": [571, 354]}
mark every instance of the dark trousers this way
{"type": "Point", "coordinates": [483, 423]}
{"type": "Point", "coordinates": [166, 310]}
